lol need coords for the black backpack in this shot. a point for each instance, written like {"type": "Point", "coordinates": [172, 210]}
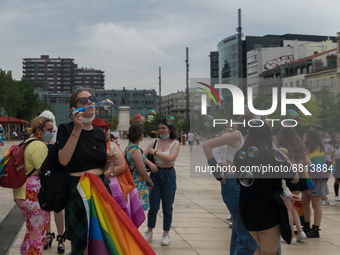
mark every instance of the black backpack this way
{"type": "Point", "coordinates": [54, 181]}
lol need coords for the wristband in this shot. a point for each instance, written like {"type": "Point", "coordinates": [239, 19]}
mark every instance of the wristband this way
{"type": "Point", "coordinates": [149, 184]}
{"type": "Point", "coordinates": [212, 162]}
{"type": "Point", "coordinates": [155, 152]}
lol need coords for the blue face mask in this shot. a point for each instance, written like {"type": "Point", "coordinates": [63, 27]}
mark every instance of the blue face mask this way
{"type": "Point", "coordinates": [164, 137]}
{"type": "Point", "coordinates": [47, 137]}
{"type": "Point", "coordinates": [327, 140]}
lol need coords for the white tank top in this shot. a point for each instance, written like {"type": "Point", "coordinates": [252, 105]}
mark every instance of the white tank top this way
{"type": "Point", "coordinates": [158, 160]}
{"type": "Point", "coordinates": [231, 151]}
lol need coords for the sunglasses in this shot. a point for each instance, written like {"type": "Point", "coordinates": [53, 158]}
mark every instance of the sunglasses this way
{"type": "Point", "coordinates": [84, 100]}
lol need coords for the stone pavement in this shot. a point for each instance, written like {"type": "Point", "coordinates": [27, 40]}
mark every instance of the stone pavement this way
{"type": "Point", "coordinates": [199, 221]}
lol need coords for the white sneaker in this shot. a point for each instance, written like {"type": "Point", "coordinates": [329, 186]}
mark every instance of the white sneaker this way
{"type": "Point", "coordinates": [337, 198]}
{"type": "Point", "coordinates": [148, 236]}
{"type": "Point", "coordinates": [230, 225]}
{"type": "Point", "coordinates": [282, 240]}
{"type": "Point", "coordinates": [229, 218]}
{"type": "Point", "coordinates": [293, 242]}
{"type": "Point", "coordinates": [165, 240]}
{"type": "Point", "coordinates": [328, 202]}
{"type": "Point", "coordinates": [301, 236]}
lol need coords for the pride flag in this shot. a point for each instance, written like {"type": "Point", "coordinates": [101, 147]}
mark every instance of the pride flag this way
{"type": "Point", "coordinates": [1, 141]}
{"type": "Point", "coordinates": [110, 231]}
{"type": "Point", "coordinates": [319, 168]}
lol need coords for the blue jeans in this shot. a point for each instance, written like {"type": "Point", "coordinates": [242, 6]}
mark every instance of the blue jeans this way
{"type": "Point", "coordinates": [165, 189]}
{"type": "Point", "coordinates": [241, 243]}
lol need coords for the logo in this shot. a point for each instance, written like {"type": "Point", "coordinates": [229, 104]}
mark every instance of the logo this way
{"type": "Point", "coordinates": [238, 99]}
{"type": "Point", "coordinates": [208, 92]}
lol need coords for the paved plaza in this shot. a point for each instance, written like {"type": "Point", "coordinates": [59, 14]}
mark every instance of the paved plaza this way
{"type": "Point", "coordinates": [199, 223]}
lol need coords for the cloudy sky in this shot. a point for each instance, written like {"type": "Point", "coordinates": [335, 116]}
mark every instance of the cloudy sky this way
{"type": "Point", "coordinates": [131, 39]}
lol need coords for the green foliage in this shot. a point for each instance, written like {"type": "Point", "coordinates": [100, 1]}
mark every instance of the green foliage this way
{"type": "Point", "coordinates": [18, 98]}
{"type": "Point", "coordinates": [113, 121]}
{"type": "Point", "coordinates": [311, 122]}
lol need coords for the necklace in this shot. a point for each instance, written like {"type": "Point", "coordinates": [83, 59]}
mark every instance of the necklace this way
{"type": "Point", "coordinates": [94, 139]}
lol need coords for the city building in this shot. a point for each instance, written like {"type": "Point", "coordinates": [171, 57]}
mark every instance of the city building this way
{"type": "Point", "coordinates": [263, 60]}
{"type": "Point", "coordinates": [60, 75]}
{"type": "Point", "coordinates": [175, 103]}
{"type": "Point", "coordinates": [229, 55]}
{"type": "Point", "coordinates": [88, 78]}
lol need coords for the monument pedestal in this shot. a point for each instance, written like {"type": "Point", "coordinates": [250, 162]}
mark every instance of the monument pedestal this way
{"type": "Point", "coordinates": [123, 118]}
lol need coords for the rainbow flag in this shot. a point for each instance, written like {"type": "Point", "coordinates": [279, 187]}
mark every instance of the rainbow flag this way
{"type": "Point", "coordinates": [4, 160]}
{"type": "Point", "coordinates": [110, 231]}
{"type": "Point", "coordinates": [1, 141]}
{"type": "Point", "coordinates": [319, 163]}
{"type": "Point", "coordinates": [308, 181]}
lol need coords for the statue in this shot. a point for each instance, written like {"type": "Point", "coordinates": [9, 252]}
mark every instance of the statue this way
{"type": "Point", "coordinates": [124, 97]}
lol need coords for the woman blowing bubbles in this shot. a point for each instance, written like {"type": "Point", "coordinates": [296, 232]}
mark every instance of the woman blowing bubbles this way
{"type": "Point", "coordinates": [82, 147]}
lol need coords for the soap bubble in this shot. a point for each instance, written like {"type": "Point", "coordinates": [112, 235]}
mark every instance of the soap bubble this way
{"type": "Point", "coordinates": [151, 115]}
{"type": "Point", "coordinates": [208, 121]}
{"type": "Point", "coordinates": [210, 101]}
{"type": "Point", "coordinates": [107, 105]}
{"type": "Point", "coordinates": [170, 120]}
{"type": "Point", "coordinates": [242, 154]}
{"type": "Point", "coordinates": [278, 154]}
{"type": "Point", "coordinates": [253, 151]}
{"type": "Point", "coordinates": [290, 119]}
{"type": "Point", "coordinates": [246, 179]}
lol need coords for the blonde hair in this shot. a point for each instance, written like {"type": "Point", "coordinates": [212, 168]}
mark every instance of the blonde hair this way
{"type": "Point", "coordinates": [37, 122]}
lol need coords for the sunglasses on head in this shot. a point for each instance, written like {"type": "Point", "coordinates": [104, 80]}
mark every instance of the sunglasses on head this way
{"type": "Point", "coordinates": [84, 100]}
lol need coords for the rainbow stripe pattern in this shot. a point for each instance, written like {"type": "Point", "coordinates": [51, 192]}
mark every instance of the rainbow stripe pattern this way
{"type": "Point", "coordinates": [317, 158]}
{"type": "Point", "coordinates": [110, 231]}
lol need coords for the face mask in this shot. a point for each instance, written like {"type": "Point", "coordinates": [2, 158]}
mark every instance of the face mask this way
{"type": "Point", "coordinates": [327, 140]}
{"type": "Point", "coordinates": [88, 120]}
{"type": "Point", "coordinates": [164, 137]}
{"type": "Point", "coordinates": [47, 137]}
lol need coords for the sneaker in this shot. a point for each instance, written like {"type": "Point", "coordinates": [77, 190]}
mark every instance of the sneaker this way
{"type": "Point", "coordinates": [293, 242]}
{"type": "Point", "coordinates": [69, 253]}
{"type": "Point", "coordinates": [282, 240]}
{"type": "Point", "coordinates": [328, 202]}
{"type": "Point", "coordinates": [337, 198]}
{"type": "Point", "coordinates": [148, 236]}
{"type": "Point", "coordinates": [230, 218]}
{"type": "Point", "coordinates": [301, 236]}
{"type": "Point", "coordinates": [165, 240]}
{"type": "Point", "coordinates": [231, 225]}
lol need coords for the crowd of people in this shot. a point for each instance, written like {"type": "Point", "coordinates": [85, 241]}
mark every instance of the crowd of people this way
{"type": "Point", "coordinates": [260, 216]}
{"type": "Point", "coordinates": [86, 148]}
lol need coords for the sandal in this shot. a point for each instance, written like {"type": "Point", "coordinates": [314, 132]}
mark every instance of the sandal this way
{"type": "Point", "coordinates": [61, 245]}
{"type": "Point", "coordinates": [49, 239]}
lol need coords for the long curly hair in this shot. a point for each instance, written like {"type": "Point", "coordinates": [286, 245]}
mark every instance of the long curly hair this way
{"type": "Point", "coordinates": [289, 139]}
{"type": "Point", "coordinates": [314, 141]}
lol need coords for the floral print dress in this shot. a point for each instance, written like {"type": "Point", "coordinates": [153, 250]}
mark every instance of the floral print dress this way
{"type": "Point", "coordinates": [138, 180]}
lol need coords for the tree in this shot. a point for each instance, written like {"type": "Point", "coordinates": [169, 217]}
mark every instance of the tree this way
{"type": "Point", "coordinates": [32, 104]}
{"type": "Point", "coordinates": [311, 122]}
{"type": "Point", "coordinates": [329, 112]}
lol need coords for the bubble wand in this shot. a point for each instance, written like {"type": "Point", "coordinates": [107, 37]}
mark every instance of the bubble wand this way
{"type": "Point", "coordinates": [106, 104]}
